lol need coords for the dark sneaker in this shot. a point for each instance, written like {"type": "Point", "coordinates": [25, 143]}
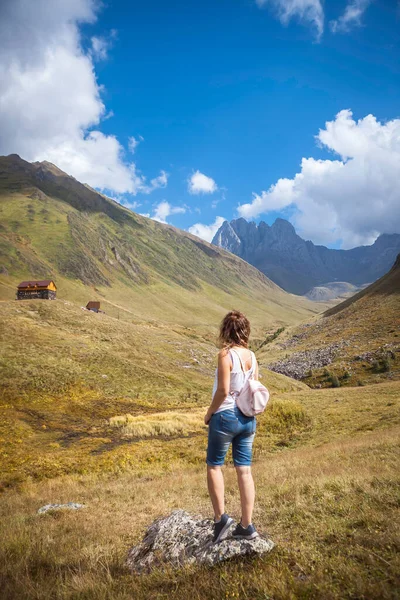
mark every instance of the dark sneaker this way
{"type": "Point", "coordinates": [242, 533]}
{"type": "Point", "coordinates": [221, 527]}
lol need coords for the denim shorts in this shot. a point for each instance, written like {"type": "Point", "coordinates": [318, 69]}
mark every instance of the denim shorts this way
{"type": "Point", "coordinates": [226, 427]}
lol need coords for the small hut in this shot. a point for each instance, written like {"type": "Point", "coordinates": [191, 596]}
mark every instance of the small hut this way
{"type": "Point", "coordinates": [45, 290]}
{"type": "Point", "coordinates": [93, 305]}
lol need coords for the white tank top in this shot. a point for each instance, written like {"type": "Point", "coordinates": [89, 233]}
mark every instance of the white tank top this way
{"type": "Point", "coordinates": [237, 380]}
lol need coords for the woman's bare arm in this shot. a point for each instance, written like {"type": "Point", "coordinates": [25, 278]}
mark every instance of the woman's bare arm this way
{"type": "Point", "coordinates": [224, 378]}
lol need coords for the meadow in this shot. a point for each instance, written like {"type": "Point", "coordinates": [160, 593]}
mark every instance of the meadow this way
{"type": "Point", "coordinates": [86, 417]}
{"type": "Point", "coordinates": [327, 494]}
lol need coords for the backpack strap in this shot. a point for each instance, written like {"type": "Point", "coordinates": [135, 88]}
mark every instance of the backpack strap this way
{"type": "Point", "coordinates": [251, 370]}
{"type": "Point", "coordinates": [253, 364]}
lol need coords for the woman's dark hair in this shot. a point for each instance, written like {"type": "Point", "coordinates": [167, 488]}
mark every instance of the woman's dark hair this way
{"type": "Point", "coordinates": [234, 330]}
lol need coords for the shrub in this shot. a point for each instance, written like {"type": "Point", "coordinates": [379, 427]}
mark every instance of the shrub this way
{"type": "Point", "coordinates": [285, 416]}
{"type": "Point", "coordinates": [334, 381]}
{"type": "Point", "coordinates": [386, 365]}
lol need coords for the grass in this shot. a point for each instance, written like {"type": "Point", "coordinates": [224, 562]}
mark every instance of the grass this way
{"type": "Point", "coordinates": [159, 424]}
{"type": "Point", "coordinates": [66, 372]}
{"type": "Point", "coordinates": [332, 510]}
{"type": "Point", "coordinates": [92, 421]}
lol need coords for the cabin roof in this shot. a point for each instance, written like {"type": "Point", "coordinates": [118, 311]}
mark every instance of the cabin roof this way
{"type": "Point", "coordinates": [41, 283]}
{"type": "Point", "coordinates": [93, 304]}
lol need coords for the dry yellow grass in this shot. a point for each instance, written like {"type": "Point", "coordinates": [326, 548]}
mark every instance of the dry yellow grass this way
{"type": "Point", "coordinates": [159, 424]}
{"type": "Point", "coordinates": [332, 511]}
{"type": "Point", "coordinates": [329, 499]}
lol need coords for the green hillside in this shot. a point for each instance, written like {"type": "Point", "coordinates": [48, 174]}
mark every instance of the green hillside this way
{"type": "Point", "coordinates": [363, 333]}
{"type": "Point", "coordinates": [52, 226]}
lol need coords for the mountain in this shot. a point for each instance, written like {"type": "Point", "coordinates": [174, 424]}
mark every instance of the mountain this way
{"type": "Point", "coordinates": [355, 342]}
{"type": "Point", "coordinates": [52, 226]}
{"type": "Point", "coordinates": [297, 265]}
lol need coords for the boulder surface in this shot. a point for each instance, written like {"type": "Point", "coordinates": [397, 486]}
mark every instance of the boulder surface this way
{"type": "Point", "coordinates": [181, 539]}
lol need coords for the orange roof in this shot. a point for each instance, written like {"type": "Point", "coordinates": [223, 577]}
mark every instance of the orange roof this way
{"type": "Point", "coordinates": [42, 283]}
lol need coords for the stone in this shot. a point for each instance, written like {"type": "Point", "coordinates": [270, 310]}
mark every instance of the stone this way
{"type": "Point", "coordinates": [181, 539]}
{"type": "Point", "coordinates": [69, 506]}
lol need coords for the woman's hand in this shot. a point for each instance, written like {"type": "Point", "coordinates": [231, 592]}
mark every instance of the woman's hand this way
{"type": "Point", "coordinates": [207, 418]}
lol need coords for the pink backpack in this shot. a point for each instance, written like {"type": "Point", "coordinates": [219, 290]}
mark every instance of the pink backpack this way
{"type": "Point", "coordinates": [253, 397]}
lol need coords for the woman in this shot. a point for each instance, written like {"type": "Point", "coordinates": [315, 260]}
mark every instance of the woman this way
{"type": "Point", "coordinates": [227, 424]}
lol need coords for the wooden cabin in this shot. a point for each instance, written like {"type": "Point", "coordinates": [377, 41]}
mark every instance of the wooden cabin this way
{"type": "Point", "coordinates": [93, 305]}
{"type": "Point", "coordinates": [45, 289]}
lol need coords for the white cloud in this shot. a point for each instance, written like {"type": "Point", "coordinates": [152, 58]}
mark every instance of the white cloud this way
{"type": "Point", "coordinates": [199, 183]}
{"type": "Point", "coordinates": [99, 47]}
{"type": "Point", "coordinates": [351, 17]}
{"type": "Point", "coordinates": [133, 143]}
{"type": "Point", "coordinates": [50, 101]}
{"type": "Point", "coordinates": [353, 198]}
{"type": "Point", "coordinates": [164, 210]}
{"type": "Point", "coordinates": [159, 182]}
{"type": "Point", "coordinates": [206, 232]}
{"type": "Point", "coordinates": [307, 11]}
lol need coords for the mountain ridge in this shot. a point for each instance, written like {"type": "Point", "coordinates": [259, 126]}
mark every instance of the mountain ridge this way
{"type": "Point", "coordinates": [53, 226]}
{"type": "Point", "coordinates": [298, 265]}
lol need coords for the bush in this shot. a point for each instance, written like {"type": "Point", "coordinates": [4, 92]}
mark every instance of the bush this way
{"type": "Point", "coordinates": [375, 366]}
{"type": "Point", "coordinates": [334, 381]}
{"type": "Point", "coordinates": [285, 416]}
{"type": "Point", "coordinates": [386, 365]}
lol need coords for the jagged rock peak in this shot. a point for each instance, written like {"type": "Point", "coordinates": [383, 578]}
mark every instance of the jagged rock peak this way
{"type": "Point", "coordinates": [180, 539]}
{"type": "Point", "coordinates": [283, 226]}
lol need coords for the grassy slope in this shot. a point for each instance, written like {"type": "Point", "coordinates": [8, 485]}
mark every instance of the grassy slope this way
{"type": "Point", "coordinates": [52, 226]}
{"type": "Point", "coordinates": [329, 499]}
{"type": "Point", "coordinates": [326, 467]}
{"type": "Point", "coordinates": [65, 372]}
{"type": "Point", "coordinates": [369, 322]}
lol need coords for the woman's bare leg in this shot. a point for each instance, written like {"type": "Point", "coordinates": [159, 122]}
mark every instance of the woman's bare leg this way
{"type": "Point", "coordinates": [247, 493]}
{"type": "Point", "coordinates": [215, 482]}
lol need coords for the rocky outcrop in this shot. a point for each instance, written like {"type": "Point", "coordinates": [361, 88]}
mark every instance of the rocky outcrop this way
{"type": "Point", "coordinates": [299, 364]}
{"type": "Point", "coordinates": [297, 265]}
{"type": "Point", "coordinates": [180, 539]}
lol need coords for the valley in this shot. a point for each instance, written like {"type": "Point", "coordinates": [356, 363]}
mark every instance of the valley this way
{"type": "Point", "coordinates": [106, 409]}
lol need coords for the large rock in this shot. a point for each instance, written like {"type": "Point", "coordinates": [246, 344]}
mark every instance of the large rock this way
{"type": "Point", "coordinates": [181, 539]}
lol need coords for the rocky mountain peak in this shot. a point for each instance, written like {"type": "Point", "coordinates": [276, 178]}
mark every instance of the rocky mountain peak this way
{"type": "Point", "coordinates": [298, 265]}
{"type": "Point", "coordinates": [283, 226]}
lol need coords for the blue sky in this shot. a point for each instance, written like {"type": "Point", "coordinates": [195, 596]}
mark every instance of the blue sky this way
{"type": "Point", "coordinates": [237, 90]}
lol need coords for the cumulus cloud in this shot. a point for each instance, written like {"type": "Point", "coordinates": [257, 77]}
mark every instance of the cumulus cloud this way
{"type": "Point", "coordinates": [206, 232]}
{"type": "Point", "coordinates": [351, 17]}
{"type": "Point", "coordinates": [306, 11]}
{"type": "Point", "coordinates": [199, 183]}
{"type": "Point", "coordinates": [50, 101]}
{"type": "Point", "coordinates": [164, 210]}
{"type": "Point", "coordinates": [352, 198]}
